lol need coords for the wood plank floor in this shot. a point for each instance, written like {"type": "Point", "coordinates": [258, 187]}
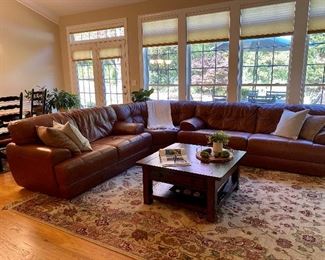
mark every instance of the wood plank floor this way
{"type": "Point", "coordinates": [23, 238]}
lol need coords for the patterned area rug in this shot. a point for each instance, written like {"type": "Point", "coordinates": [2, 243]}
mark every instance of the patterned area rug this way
{"type": "Point", "coordinates": [274, 215]}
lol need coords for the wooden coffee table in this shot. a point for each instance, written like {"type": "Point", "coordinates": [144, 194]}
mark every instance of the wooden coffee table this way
{"type": "Point", "coordinates": [200, 186]}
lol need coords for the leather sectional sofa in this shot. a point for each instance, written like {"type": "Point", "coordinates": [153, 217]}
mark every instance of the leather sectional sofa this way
{"type": "Point", "coordinates": [119, 138]}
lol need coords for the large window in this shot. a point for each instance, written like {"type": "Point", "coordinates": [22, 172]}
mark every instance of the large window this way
{"type": "Point", "coordinates": [160, 58]}
{"type": "Point", "coordinates": [208, 71]}
{"type": "Point", "coordinates": [162, 71]}
{"type": "Point", "coordinates": [264, 55]}
{"type": "Point", "coordinates": [208, 54]}
{"type": "Point", "coordinates": [265, 68]}
{"type": "Point", "coordinates": [315, 63]}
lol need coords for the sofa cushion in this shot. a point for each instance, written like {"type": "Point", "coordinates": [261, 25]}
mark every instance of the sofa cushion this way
{"type": "Point", "coordinates": [182, 110]}
{"type": "Point", "coordinates": [86, 164]}
{"type": "Point", "coordinates": [94, 123]}
{"type": "Point", "coordinates": [228, 116]}
{"type": "Point", "coordinates": [163, 136]}
{"type": "Point", "coordinates": [126, 145]}
{"type": "Point", "coordinates": [132, 113]}
{"type": "Point", "coordinates": [280, 147]}
{"type": "Point", "coordinates": [320, 137]}
{"type": "Point", "coordinates": [192, 124]}
{"type": "Point", "coordinates": [238, 140]}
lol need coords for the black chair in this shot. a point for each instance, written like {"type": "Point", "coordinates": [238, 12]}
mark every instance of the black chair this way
{"type": "Point", "coordinates": [38, 102]}
{"type": "Point", "coordinates": [11, 109]}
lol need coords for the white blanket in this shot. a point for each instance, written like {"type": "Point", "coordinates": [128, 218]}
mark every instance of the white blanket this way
{"type": "Point", "coordinates": [159, 115]}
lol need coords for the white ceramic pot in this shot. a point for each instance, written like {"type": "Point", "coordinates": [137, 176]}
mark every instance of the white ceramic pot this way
{"type": "Point", "coordinates": [217, 147]}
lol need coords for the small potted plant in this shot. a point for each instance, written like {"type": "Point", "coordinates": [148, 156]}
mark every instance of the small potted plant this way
{"type": "Point", "coordinates": [62, 100]}
{"type": "Point", "coordinates": [141, 95]}
{"type": "Point", "coordinates": [218, 139]}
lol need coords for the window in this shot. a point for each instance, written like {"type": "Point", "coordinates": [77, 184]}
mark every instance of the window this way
{"type": "Point", "coordinates": [160, 58]}
{"type": "Point", "coordinates": [98, 34]}
{"type": "Point", "coordinates": [265, 68]}
{"type": "Point", "coordinates": [208, 53]}
{"type": "Point", "coordinates": [99, 66]}
{"type": "Point", "coordinates": [315, 67]}
{"type": "Point", "coordinates": [265, 52]}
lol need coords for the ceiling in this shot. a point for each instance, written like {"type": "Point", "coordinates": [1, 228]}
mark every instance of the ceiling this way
{"type": "Point", "coordinates": [53, 9]}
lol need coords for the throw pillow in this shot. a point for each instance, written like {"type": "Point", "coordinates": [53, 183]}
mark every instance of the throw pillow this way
{"type": "Point", "coordinates": [312, 126]}
{"type": "Point", "coordinates": [74, 134]}
{"type": "Point", "coordinates": [290, 124]}
{"type": "Point", "coordinates": [56, 138]}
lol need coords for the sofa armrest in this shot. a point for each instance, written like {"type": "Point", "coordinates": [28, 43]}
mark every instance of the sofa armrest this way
{"type": "Point", "coordinates": [320, 137]}
{"type": "Point", "coordinates": [32, 166]}
{"type": "Point", "coordinates": [124, 128]}
{"type": "Point", "coordinates": [192, 124]}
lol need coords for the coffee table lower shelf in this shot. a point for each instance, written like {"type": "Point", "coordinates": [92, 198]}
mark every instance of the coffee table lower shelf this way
{"type": "Point", "coordinates": [162, 192]}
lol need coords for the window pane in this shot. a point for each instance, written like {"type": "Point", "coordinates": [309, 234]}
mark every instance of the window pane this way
{"type": "Point", "coordinates": [112, 78]}
{"type": "Point", "coordinates": [314, 95]}
{"type": "Point", "coordinates": [208, 71]}
{"type": "Point", "coordinates": [315, 69]}
{"type": "Point", "coordinates": [97, 34]}
{"type": "Point", "coordinates": [161, 71]}
{"type": "Point", "coordinates": [86, 83]}
{"type": "Point", "coordinates": [265, 66]}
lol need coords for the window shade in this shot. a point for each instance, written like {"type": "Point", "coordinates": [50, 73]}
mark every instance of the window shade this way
{"type": "Point", "coordinates": [160, 32]}
{"type": "Point", "coordinates": [110, 53]}
{"type": "Point", "coordinates": [317, 15]}
{"type": "Point", "coordinates": [208, 27]}
{"type": "Point", "coordinates": [82, 55]}
{"type": "Point", "coordinates": [273, 19]}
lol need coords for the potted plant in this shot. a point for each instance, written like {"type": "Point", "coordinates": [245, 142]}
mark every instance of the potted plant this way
{"type": "Point", "coordinates": [62, 100]}
{"type": "Point", "coordinates": [219, 139]}
{"type": "Point", "coordinates": [141, 95]}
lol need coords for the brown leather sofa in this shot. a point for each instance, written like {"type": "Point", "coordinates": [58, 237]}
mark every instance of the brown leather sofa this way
{"type": "Point", "coordinates": [119, 137]}
{"type": "Point", "coordinates": [116, 147]}
{"type": "Point", "coordinates": [249, 127]}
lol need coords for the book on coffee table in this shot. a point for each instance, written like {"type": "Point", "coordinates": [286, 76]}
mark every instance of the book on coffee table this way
{"type": "Point", "coordinates": [173, 157]}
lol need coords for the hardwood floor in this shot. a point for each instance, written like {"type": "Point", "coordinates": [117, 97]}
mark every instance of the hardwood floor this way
{"type": "Point", "coordinates": [23, 238]}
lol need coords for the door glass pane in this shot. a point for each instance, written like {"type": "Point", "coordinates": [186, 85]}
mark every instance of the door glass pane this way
{"type": "Point", "coordinates": [112, 78]}
{"type": "Point", "coordinates": [86, 83]}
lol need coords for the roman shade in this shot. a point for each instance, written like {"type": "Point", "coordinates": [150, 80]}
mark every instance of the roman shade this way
{"type": "Point", "coordinates": [110, 53]}
{"type": "Point", "coordinates": [316, 16]}
{"type": "Point", "coordinates": [162, 32]}
{"type": "Point", "coordinates": [82, 55]}
{"type": "Point", "coordinates": [208, 27]}
{"type": "Point", "coordinates": [267, 20]}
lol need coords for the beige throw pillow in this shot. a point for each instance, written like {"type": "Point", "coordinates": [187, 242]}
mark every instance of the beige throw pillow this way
{"type": "Point", "coordinates": [74, 134]}
{"type": "Point", "coordinates": [312, 126]}
{"type": "Point", "coordinates": [56, 138]}
{"type": "Point", "coordinates": [290, 124]}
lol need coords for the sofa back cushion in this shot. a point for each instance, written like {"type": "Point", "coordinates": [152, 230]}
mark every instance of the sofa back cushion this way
{"type": "Point", "coordinates": [228, 116]}
{"type": "Point", "coordinates": [268, 116]}
{"type": "Point", "coordinates": [182, 110]}
{"type": "Point", "coordinates": [93, 123]}
{"type": "Point", "coordinates": [132, 113]}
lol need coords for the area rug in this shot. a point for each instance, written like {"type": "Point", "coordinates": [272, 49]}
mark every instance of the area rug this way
{"type": "Point", "coordinates": [274, 215]}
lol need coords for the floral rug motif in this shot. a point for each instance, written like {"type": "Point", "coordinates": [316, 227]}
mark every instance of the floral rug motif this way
{"type": "Point", "coordinates": [274, 215]}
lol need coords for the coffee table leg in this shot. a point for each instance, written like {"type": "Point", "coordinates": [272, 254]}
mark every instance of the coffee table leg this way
{"type": "Point", "coordinates": [147, 186]}
{"type": "Point", "coordinates": [211, 199]}
{"type": "Point", "coordinates": [235, 179]}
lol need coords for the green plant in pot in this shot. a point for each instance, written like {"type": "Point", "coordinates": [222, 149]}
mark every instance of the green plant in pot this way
{"type": "Point", "coordinates": [141, 95]}
{"type": "Point", "coordinates": [62, 100]}
{"type": "Point", "coordinates": [218, 139]}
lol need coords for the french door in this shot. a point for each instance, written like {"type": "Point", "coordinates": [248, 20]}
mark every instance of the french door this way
{"type": "Point", "coordinates": [101, 73]}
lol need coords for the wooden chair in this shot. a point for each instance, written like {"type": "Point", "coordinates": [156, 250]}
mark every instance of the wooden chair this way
{"type": "Point", "coordinates": [38, 102]}
{"type": "Point", "coordinates": [11, 109]}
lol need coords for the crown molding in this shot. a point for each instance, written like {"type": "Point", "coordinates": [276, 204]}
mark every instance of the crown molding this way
{"type": "Point", "coordinates": [48, 14]}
